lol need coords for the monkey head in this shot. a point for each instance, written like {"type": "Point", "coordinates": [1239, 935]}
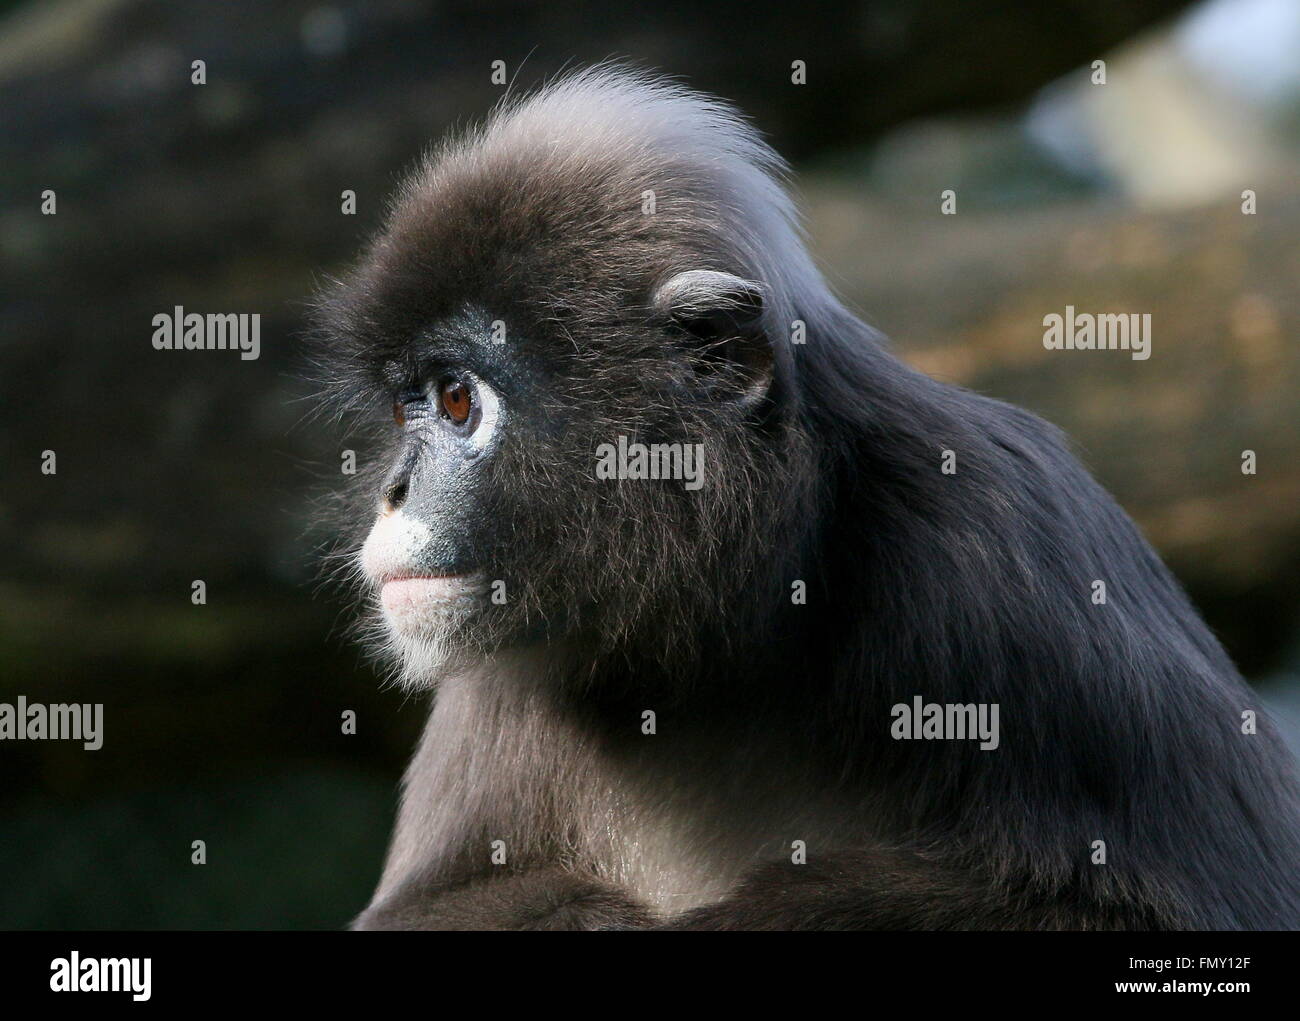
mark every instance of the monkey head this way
{"type": "Point", "coordinates": [567, 312]}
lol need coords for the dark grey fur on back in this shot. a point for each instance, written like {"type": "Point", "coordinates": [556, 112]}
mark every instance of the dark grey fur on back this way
{"type": "Point", "coordinates": [1120, 722]}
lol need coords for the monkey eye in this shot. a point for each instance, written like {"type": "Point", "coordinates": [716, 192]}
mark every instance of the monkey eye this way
{"type": "Point", "coordinates": [399, 413]}
{"type": "Point", "coordinates": [455, 400]}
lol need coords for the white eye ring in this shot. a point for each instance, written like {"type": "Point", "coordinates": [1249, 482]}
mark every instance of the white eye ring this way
{"type": "Point", "coordinates": [489, 407]}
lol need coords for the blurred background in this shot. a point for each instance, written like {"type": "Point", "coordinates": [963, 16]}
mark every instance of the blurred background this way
{"type": "Point", "coordinates": [222, 722]}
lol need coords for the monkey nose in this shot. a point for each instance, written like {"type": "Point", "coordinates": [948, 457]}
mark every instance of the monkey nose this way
{"type": "Point", "coordinates": [394, 495]}
{"type": "Point", "coordinates": [396, 486]}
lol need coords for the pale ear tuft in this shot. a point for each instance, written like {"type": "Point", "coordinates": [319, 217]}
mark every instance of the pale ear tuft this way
{"type": "Point", "coordinates": [724, 314]}
{"type": "Point", "coordinates": [709, 300]}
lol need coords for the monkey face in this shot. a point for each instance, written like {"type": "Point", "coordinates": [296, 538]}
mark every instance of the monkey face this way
{"type": "Point", "coordinates": [494, 523]}
{"type": "Point", "coordinates": [441, 554]}
{"type": "Point", "coordinates": [424, 554]}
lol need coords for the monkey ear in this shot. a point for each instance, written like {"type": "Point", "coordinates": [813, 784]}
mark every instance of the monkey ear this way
{"type": "Point", "coordinates": [722, 315]}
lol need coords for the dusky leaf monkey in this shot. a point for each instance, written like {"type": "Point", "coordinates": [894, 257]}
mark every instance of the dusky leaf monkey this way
{"type": "Point", "coordinates": [657, 704]}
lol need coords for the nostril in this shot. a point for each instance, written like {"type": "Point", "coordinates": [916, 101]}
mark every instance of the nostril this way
{"type": "Point", "coordinates": [395, 495]}
{"type": "Point", "coordinates": [395, 486]}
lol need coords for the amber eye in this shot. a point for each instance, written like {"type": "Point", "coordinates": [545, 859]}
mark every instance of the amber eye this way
{"type": "Point", "coordinates": [399, 413]}
{"type": "Point", "coordinates": [455, 399]}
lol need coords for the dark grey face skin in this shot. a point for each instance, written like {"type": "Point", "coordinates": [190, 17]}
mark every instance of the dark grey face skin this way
{"type": "Point", "coordinates": [632, 241]}
{"type": "Point", "coordinates": [440, 466]}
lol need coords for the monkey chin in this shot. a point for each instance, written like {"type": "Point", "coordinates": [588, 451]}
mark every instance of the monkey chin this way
{"type": "Point", "coordinates": [426, 620]}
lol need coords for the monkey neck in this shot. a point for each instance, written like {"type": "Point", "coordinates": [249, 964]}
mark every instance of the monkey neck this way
{"type": "Point", "coordinates": [676, 814]}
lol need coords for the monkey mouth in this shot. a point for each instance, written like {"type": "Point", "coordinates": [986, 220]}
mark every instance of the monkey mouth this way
{"type": "Point", "coordinates": [409, 595]}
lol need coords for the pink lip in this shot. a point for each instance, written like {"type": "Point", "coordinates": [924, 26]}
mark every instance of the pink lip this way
{"type": "Point", "coordinates": [411, 592]}
{"type": "Point", "coordinates": [386, 579]}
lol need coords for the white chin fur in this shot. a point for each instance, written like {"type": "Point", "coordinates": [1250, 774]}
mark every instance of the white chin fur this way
{"type": "Point", "coordinates": [420, 620]}
{"type": "Point", "coordinates": [423, 658]}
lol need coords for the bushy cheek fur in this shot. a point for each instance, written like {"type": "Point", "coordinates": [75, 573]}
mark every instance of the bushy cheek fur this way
{"type": "Point", "coordinates": [613, 563]}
